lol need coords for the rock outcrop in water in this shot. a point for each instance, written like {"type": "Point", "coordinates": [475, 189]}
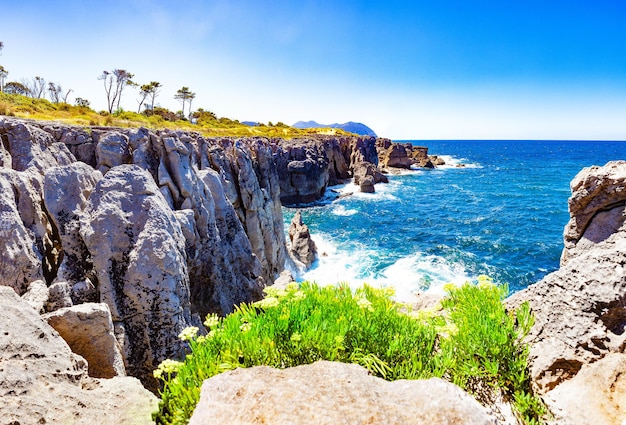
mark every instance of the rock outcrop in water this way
{"type": "Point", "coordinates": [308, 166]}
{"type": "Point", "coordinates": [404, 155]}
{"type": "Point", "coordinates": [578, 342]}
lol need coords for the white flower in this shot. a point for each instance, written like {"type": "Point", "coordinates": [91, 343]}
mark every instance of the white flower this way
{"type": "Point", "coordinates": [188, 333]}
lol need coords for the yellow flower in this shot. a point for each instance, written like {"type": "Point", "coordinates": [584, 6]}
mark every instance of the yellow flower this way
{"type": "Point", "coordinates": [296, 337]}
{"type": "Point", "coordinates": [292, 287]}
{"type": "Point", "coordinates": [188, 333]}
{"type": "Point", "coordinates": [268, 302]}
{"type": "Point", "coordinates": [245, 327]}
{"type": "Point", "coordinates": [212, 321]}
{"type": "Point", "coordinates": [168, 367]}
{"type": "Point", "coordinates": [449, 287]}
{"type": "Point", "coordinates": [365, 304]}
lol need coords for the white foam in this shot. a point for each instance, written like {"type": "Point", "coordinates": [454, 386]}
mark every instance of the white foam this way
{"type": "Point", "coordinates": [343, 211]}
{"type": "Point", "coordinates": [409, 275]}
{"type": "Point", "coordinates": [454, 162]}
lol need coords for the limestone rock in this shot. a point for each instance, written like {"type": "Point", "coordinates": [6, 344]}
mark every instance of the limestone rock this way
{"type": "Point", "coordinates": [138, 250]}
{"type": "Point", "coordinates": [366, 175]}
{"type": "Point", "coordinates": [20, 257]}
{"type": "Point", "coordinates": [303, 249]}
{"type": "Point", "coordinates": [579, 310]}
{"type": "Point", "coordinates": [595, 190]}
{"type": "Point", "coordinates": [66, 190]}
{"type": "Point", "coordinates": [331, 393]}
{"type": "Point", "coordinates": [32, 148]}
{"type": "Point", "coordinates": [88, 330]}
{"type": "Point", "coordinates": [37, 295]}
{"type": "Point", "coordinates": [596, 395]}
{"type": "Point", "coordinates": [112, 150]}
{"type": "Point", "coordinates": [42, 381]}
{"type": "Point", "coordinates": [395, 156]}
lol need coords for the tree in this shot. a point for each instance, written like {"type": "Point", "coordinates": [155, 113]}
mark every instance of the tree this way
{"type": "Point", "coordinates": [14, 87]}
{"type": "Point", "coordinates": [185, 96]}
{"type": "Point", "coordinates": [1, 45]}
{"type": "Point", "coordinates": [37, 87]}
{"type": "Point", "coordinates": [148, 91]}
{"type": "Point", "coordinates": [56, 93]}
{"type": "Point", "coordinates": [81, 102]}
{"type": "Point", "coordinates": [114, 84]}
{"type": "Point", "coordinates": [3, 76]}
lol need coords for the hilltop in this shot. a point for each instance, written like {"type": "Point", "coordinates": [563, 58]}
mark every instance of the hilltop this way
{"type": "Point", "coordinates": [350, 127]}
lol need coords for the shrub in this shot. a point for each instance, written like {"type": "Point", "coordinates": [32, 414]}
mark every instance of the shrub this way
{"type": "Point", "coordinates": [473, 342]}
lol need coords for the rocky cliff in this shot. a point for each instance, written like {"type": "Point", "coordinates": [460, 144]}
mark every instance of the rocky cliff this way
{"type": "Point", "coordinates": [162, 227]}
{"type": "Point", "coordinates": [578, 342]}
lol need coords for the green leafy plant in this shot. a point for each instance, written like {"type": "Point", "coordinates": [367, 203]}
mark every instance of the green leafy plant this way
{"type": "Point", "coordinates": [473, 341]}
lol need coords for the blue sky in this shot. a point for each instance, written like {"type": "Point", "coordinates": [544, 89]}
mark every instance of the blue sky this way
{"type": "Point", "coordinates": [408, 69]}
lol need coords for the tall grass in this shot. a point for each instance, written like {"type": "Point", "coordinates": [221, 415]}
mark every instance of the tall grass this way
{"type": "Point", "coordinates": [472, 341]}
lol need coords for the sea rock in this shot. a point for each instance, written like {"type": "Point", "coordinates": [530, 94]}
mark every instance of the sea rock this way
{"type": "Point", "coordinates": [366, 175]}
{"type": "Point", "coordinates": [42, 381]}
{"type": "Point", "coordinates": [595, 192]}
{"type": "Point", "coordinates": [580, 313]}
{"type": "Point", "coordinates": [88, 330]}
{"type": "Point", "coordinates": [331, 393]}
{"type": "Point", "coordinates": [395, 156]}
{"type": "Point", "coordinates": [138, 250]}
{"type": "Point", "coordinates": [596, 395]}
{"type": "Point", "coordinates": [303, 249]}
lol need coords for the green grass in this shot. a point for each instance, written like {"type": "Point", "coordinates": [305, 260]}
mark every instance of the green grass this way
{"type": "Point", "coordinates": [473, 341]}
{"type": "Point", "coordinates": [208, 124]}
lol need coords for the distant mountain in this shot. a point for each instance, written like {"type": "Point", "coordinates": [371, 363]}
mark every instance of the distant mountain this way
{"type": "Point", "coordinates": [250, 123]}
{"type": "Point", "coordinates": [352, 127]}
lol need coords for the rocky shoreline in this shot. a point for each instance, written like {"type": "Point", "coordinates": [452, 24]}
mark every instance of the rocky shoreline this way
{"type": "Point", "coordinates": [121, 238]}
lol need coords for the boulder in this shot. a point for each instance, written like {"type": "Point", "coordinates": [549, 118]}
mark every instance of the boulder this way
{"type": "Point", "coordinates": [37, 295]}
{"type": "Point", "coordinates": [596, 395]}
{"type": "Point", "coordinates": [395, 156]}
{"type": "Point", "coordinates": [88, 330]}
{"type": "Point", "coordinates": [42, 381]}
{"type": "Point", "coordinates": [579, 310]}
{"type": "Point", "coordinates": [303, 249]}
{"type": "Point", "coordinates": [138, 250]}
{"type": "Point", "coordinates": [331, 393]}
{"type": "Point", "coordinates": [366, 175]}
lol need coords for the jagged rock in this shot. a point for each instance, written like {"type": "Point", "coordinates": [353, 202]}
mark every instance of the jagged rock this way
{"type": "Point", "coordinates": [285, 278]}
{"type": "Point", "coordinates": [20, 257]}
{"type": "Point", "coordinates": [302, 249]}
{"type": "Point", "coordinates": [331, 393]}
{"type": "Point", "coordinates": [437, 160]}
{"type": "Point", "coordinates": [596, 395]}
{"type": "Point", "coordinates": [37, 295]}
{"type": "Point", "coordinates": [366, 175]}
{"type": "Point", "coordinates": [395, 156]}
{"type": "Point", "coordinates": [138, 251]}
{"type": "Point", "coordinates": [31, 147]}
{"type": "Point", "coordinates": [59, 296]}
{"type": "Point", "coordinates": [579, 310]}
{"type": "Point", "coordinates": [42, 381]}
{"type": "Point", "coordinates": [88, 330]}
{"type": "Point", "coordinates": [66, 190]}
{"type": "Point", "coordinates": [307, 166]}
{"type": "Point", "coordinates": [112, 150]}
{"type": "Point", "coordinates": [595, 191]}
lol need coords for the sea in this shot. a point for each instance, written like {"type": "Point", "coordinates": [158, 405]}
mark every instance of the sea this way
{"type": "Point", "coordinates": [497, 208]}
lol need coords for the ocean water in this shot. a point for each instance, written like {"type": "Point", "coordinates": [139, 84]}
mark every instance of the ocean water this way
{"type": "Point", "coordinates": [502, 215]}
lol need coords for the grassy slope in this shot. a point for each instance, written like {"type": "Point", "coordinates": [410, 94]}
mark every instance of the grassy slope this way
{"type": "Point", "coordinates": [44, 110]}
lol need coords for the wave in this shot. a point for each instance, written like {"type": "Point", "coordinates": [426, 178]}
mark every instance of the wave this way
{"type": "Point", "coordinates": [342, 211]}
{"type": "Point", "coordinates": [356, 265]}
{"type": "Point", "coordinates": [454, 162]}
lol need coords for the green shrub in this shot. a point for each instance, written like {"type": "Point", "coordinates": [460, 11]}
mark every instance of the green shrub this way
{"type": "Point", "coordinates": [473, 342]}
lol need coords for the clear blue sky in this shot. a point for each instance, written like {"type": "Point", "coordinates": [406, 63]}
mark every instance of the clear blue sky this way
{"type": "Point", "coordinates": [409, 69]}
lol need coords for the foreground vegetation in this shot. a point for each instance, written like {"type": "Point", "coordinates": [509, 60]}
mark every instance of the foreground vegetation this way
{"type": "Point", "coordinates": [471, 341]}
{"type": "Point", "coordinates": [205, 122]}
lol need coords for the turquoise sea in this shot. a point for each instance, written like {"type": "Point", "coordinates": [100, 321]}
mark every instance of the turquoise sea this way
{"type": "Point", "coordinates": [502, 214]}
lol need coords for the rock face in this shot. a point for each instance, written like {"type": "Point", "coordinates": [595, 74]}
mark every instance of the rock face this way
{"type": "Point", "coordinates": [162, 227]}
{"type": "Point", "coordinates": [580, 310]}
{"type": "Point", "coordinates": [42, 381]}
{"type": "Point", "coordinates": [331, 393]}
{"type": "Point", "coordinates": [307, 166]}
{"type": "Point", "coordinates": [303, 249]}
{"type": "Point", "coordinates": [398, 155]}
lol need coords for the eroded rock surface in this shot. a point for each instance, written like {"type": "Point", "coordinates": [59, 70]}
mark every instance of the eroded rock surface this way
{"type": "Point", "coordinates": [331, 393]}
{"type": "Point", "coordinates": [43, 381]}
{"type": "Point", "coordinates": [303, 249]}
{"type": "Point", "coordinates": [580, 310]}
